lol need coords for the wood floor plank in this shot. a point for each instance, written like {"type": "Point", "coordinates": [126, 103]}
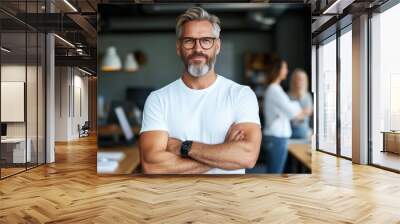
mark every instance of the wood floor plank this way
{"type": "Point", "coordinates": [70, 191]}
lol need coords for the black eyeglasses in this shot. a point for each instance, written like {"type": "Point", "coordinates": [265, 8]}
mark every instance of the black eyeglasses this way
{"type": "Point", "coordinates": [205, 42]}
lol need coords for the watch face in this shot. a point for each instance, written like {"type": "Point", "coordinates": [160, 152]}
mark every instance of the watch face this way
{"type": "Point", "coordinates": [185, 148]}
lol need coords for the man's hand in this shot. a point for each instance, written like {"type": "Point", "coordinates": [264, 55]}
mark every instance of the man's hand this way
{"type": "Point", "coordinates": [234, 134]}
{"type": "Point", "coordinates": [240, 149]}
{"type": "Point", "coordinates": [174, 146]}
{"type": "Point", "coordinates": [155, 158]}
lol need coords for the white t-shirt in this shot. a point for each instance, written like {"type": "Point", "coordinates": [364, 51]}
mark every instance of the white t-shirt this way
{"type": "Point", "coordinates": [200, 115]}
{"type": "Point", "coordinates": [278, 111]}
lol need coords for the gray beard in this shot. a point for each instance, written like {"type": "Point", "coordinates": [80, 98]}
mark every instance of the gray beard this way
{"type": "Point", "coordinates": [199, 71]}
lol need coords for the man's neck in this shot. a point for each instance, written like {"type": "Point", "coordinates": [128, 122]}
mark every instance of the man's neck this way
{"type": "Point", "coordinates": [199, 82]}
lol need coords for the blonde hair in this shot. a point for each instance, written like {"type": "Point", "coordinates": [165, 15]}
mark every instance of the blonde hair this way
{"type": "Point", "coordinates": [298, 93]}
{"type": "Point", "coordinates": [197, 13]}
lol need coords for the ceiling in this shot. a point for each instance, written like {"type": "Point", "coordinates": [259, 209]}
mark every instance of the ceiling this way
{"type": "Point", "coordinates": [162, 18]}
{"type": "Point", "coordinates": [76, 20]}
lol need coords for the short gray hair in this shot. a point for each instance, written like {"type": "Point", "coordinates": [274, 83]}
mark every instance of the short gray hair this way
{"type": "Point", "coordinates": [197, 13]}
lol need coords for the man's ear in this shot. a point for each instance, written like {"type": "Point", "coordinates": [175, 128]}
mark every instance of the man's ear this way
{"type": "Point", "coordinates": [218, 45]}
{"type": "Point", "coordinates": [178, 46]}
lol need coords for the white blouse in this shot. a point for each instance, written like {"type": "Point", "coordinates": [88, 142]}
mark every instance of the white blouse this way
{"type": "Point", "coordinates": [278, 111]}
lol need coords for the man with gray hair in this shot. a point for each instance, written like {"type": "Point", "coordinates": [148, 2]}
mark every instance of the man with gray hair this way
{"type": "Point", "coordinates": [202, 122]}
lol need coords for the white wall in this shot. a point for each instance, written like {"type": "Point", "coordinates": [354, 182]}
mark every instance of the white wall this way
{"type": "Point", "coordinates": [71, 93]}
{"type": "Point", "coordinates": [33, 126]}
{"type": "Point", "coordinates": [62, 81]}
{"type": "Point", "coordinates": [13, 73]}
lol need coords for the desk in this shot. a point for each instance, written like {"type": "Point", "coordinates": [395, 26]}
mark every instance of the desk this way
{"type": "Point", "coordinates": [391, 141]}
{"type": "Point", "coordinates": [302, 152]}
{"type": "Point", "coordinates": [129, 163]}
{"type": "Point", "coordinates": [15, 148]}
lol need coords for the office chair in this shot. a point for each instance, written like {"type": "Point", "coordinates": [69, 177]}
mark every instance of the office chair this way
{"type": "Point", "coordinates": [84, 130]}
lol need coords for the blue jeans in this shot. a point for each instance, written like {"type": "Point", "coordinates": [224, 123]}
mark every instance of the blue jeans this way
{"type": "Point", "coordinates": [275, 153]}
{"type": "Point", "coordinates": [300, 132]}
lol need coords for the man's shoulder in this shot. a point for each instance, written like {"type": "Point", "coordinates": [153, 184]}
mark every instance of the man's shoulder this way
{"type": "Point", "coordinates": [235, 87]}
{"type": "Point", "coordinates": [163, 91]}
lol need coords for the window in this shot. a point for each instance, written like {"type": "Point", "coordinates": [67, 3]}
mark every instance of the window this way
{"type": "Point", "coordinates": [327, 96]}
{"type": "Point", "coordinates": [346, 93]}
{"type": "Point", "coordinates": [385, 86]}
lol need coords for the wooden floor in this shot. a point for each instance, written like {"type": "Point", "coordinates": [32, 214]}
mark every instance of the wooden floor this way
{"type": "Point", "coordinates": [5, 172]}
{"type": "Point", "coordinates": [70, 191]}
{"type": "Point", "coordinates": [10, 171]}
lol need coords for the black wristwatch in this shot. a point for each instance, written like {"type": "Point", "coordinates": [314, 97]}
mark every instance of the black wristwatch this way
{"type": "Point", "coordinates": [185, 148]}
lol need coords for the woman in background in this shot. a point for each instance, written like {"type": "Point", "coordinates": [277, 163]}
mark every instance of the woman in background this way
{"type": "Point", "coordinates": [299, 92]}
{"type": "Point", "coordinates": [278, 111]}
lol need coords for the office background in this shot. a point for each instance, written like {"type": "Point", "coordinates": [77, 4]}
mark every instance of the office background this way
{"type": "Point", "coordinates": [156, 39]}
{"type": "Point", "coordinates": [248, 34]}
{"type": "Point", "coordinates": [22, 78]}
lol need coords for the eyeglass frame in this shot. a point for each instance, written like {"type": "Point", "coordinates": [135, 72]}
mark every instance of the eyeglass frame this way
{"type": "Point", "coordinates": [198, 39]}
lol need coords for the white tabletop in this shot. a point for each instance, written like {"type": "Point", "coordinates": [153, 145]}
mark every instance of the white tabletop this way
{"type": "Point", "coordinates": [13, 140]}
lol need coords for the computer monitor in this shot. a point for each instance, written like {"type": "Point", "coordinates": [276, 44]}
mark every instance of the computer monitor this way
{"type": "Point", "coordinates": [126, 105]}
{"type": "Point", "coordinates": [124, 123]}
{"type": "Point", "coordinates": [3, 129]}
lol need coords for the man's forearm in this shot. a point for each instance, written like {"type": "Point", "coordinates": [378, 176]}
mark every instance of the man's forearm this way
{"type": "Point", "coordinates": [231, 155]}
{"type": "Point", "coordinates": [169, 163]}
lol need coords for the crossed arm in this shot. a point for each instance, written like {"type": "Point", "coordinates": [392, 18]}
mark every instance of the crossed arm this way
{"type": "Point", "coordinates": [155, 158]}
{"type": "Point", "coordinates": [161, 154]}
